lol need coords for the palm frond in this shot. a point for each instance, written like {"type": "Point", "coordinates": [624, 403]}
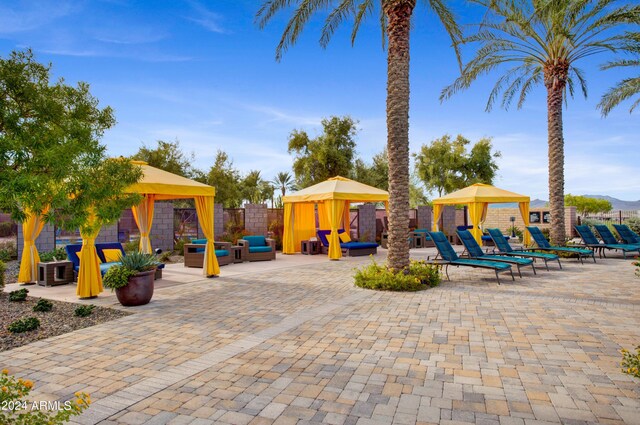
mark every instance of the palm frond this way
{"type": "Point", "coordinates": [624, 90]}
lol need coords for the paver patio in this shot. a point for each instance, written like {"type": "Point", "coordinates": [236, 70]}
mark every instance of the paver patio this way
{"type": "Point", "coordinates": [301, 344]}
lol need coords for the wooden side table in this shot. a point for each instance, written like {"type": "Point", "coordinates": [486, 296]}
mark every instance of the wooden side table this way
{"type": "Point", "coordinates": [55, 273]}
{"type": "Point", "coordinates": [310, 247]}
{"type": "Point", "coordinates": [236, 250]}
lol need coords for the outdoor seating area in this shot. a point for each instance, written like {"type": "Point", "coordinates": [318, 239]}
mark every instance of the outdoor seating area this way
{"type": "Point", "coordinates": [109, 255]}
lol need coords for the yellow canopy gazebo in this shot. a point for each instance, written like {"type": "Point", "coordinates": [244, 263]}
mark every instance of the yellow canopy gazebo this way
{"type": "Point", "coordinates": [333, 198]}
{"type": "Point", "coordinates": [155, 185]}
{"type": "Point", "coordinates": [478, 197]}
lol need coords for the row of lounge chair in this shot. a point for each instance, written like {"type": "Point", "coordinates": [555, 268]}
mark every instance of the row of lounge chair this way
{"type": "Point", "coordinates": [507, 257]}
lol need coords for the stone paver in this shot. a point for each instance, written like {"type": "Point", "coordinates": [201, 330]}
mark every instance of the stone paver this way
{"type": "Point", "coordinates": [302, 345]}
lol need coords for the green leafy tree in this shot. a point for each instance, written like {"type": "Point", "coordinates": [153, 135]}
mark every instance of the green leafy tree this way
{"type": "Point", "coordinates": [543, 40]}
{"type": "Point", "coordinates": [50, 155]}
{"type": "Point", "coordinates": [226, 179]}
{"type": "Point", "coordinates": [254, 189]}
{"type": "Point", "coordinates": [167, 156]}
{"type": "Point", "coordinates": [446, 166]}
{"type": "Point", "coordinates": [395, 23]}
{"type": "Point", "coordinates": [283, 181]}
{"type": "Point", "coordinates": [375, 174]}
{"type": "Point", "coordinates": [628, 87]}
{"type": "Point", "coordinates": [585, 205]}
{"type": "Point", "coordinates": [328, 155]}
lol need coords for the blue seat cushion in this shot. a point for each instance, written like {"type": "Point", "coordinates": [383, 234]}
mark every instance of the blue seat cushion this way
{"type": "Point", "coordinates": [515, 260]}
{"type": "Point", "coordinates": [323, 234]}
{"type": "Point", "coordinates": [259, 248]}
{"type": "Point", "coordinates": [221, 252]}
{"type": "Point", "coordinates": [256, 241]}
{"type": "Point", "coordinates": [199, 242]}
{"type": "Point", "coordinates": [358, 245]}
{"type": "Point", "coordinates": [425, 232]}
{"type": "Point", "coordinates": [480, 263]}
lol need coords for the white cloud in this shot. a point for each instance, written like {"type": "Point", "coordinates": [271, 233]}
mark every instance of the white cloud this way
{"type": "Point", "coordinates": [205, 18]}
{"type": "Point", "coordinates": [22, 16]}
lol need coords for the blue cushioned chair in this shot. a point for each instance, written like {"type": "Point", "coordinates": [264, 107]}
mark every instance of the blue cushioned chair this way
{"type": "Point", "coordinates": [475, 252]}
{"type": "Point", "coordinates": [544, 245]}
{"type": "Point", "coordinates": [257, 248]}
{"type": "Point", "coordinates": [194, 253]}
{"type": "Point", "coordinates": [627, 235]}
{"type": "Point", "coordinates": [451, 258]}
{"type": "Point", "coordinates": [349, 249]}
{"type": "Point", "coordinates": [505, 249]}
{"type": "Point", "coordinates": [73, 251]}
{"type": "Point", "coordinates": [590, 240]}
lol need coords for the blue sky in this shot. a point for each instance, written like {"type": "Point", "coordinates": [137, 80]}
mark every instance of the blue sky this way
{"type": "Point", "coordinates": [202, 72]}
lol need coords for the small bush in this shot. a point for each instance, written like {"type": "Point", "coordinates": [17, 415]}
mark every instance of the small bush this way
{"type": "Point", "coordinates": [178, 246]}
{"type": "Point", "coordinates": [43, 305]}
{"type": "Point", "coordinates": [84, 310]}
{"type": "Point", "coordinates": [117, 277]}
{"type": "Point", "coordinates": [416, 277]}
{"type": "Point", "coordinates": [8, 228]}
{"type": "Point", "coordinates": [633, 223]}
{"type": "Point", "coordinates": [3, 268]}
{"type": "Point", "coordinates": [8, 251]}
{"type": "Point", "coordinates": [165, 257]}
{"type": "Point", "coordinates": [18, 295]}
{"type": "Point", "coordinates": [131, 246]}
{"type": "Point", "coordinates": [515, 230]}
{"type": "Point", "coordinates": [54, 255]}
{"type": "Point", "coordinates": [15, 405]}
{"type": "Point", "coordinates": [24, 325]}
{"type": "Point", "coordinates": [631, 362]}
{"type": "Point", "coordinates": [276, 228]}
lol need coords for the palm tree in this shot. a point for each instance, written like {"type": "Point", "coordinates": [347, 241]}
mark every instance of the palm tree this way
{"type": "Point", "coordinates": [543, 40]}
{"type": "Point", "coordinates": [395, 20]}
{"type": "Point", "coordinates": [284, 181]}
{"type": "Point", "coordinates": [626, 88]}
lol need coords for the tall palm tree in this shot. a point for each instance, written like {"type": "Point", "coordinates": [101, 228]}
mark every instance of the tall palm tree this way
{"type": "Point", "coordinates": [626, 88]}
{"type": "Point", "coordinates": [284, 181]}
{"type": "Point", "coordinates": [543, 40]}
{"type": "Point", "coordinates": [395, 21]}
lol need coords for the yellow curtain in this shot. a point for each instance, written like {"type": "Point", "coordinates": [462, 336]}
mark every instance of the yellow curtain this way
{"type": "Point", "coordinates": [204, 209]}
{"type": "Point", "coordinates": [304, 223]}
{"type": "Point", "coordinates": [31, 228]}
{"type": "Point", "coordinates": [89, 277]}
{"type": "Point", "coordinates": [524, 212]}
{"type": "Point", "coordinates": [323, 218]}
{"type": "Point", "coordinates": [437, 212]}
{"type": "Point", "coordinates": [143, 215]}
{"type": "Point", "coordinates": [288, 245]}
{"type": "Point", "coordinates": [475, 214]}
{"type": "Point", "coordinates": [334, 210]}
{"type": "Point", "coordinates": [346, 221]}
{"type": "Point", "coordinates": [485, 210]}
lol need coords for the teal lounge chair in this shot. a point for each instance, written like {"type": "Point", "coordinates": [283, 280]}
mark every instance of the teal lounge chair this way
{"type": "Point", "coordinates": [544, 245]}
{"type": "Point", "coordinates": [451, 258]}
{"type": "Point", "coordinates": [627, 235]}
{"type": "Point", "coordinates": [607, 236]}
{"type": "Point", "coordinates": [475, 252]}
{"type": "Point", "coordinates": [592, 242]}
{"type": "Point", "coordinates": [506, 249]}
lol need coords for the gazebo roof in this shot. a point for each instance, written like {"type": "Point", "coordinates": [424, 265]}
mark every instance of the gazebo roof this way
{"type": "Point", "coordinates": [166, 185]}
{"type": "Point", "coordinates": [339, 188]}
{"type": "Point", "coordinates": [481, 192]}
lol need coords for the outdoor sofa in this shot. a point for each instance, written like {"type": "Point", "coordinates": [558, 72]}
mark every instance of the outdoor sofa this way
{"type": "Point", "coordinates": [257, 248]}
{"type": "Point", "coordinates": [194, 253]}
{"type": "Point", "coordinates": [349, 248]}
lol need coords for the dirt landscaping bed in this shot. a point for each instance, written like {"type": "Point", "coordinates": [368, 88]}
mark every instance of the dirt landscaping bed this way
{"type": "Point", "coordinates": [58, 321]}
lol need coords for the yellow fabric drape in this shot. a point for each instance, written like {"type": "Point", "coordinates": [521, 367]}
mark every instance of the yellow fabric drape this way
{"type": "Point", "coordinates": [437, 213]}
{"type": "Point", "coordinates": [475, 214]}
{"type": "Point", "coordinates": [143, 215]}
{"type": "Point", "coordinates": [204, 209]}
{"type": "Point", "coordinates": [304, 223]}
{"type": "Point", "coordinates": [346, 220]}
{"type": "Point", "coordinates": [31, 228]}
{"type": "Point", "coordinates": [524, 212]}
{"type": "Point", "coordinates": [334, 210]}
{"type": "Point", "coordinates": [288, 245]}
{"type": "Point", "coordinates": [323, 218]}
{"type": "Point", "coordinates": [89, 277]}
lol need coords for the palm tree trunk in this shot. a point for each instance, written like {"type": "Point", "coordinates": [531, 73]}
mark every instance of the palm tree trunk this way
{"type": "Point", "coordinates": [398, 13]}
{"type": "Point", "coordinates": [555, 93]}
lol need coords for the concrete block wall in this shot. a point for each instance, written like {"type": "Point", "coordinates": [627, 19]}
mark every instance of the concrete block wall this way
{"type": "Point", "coordinates": [45, 242]}
{"type": "Point", "coordinates": [218, 223]}
{"type": "Point", "coordinates": [424, 216]}
{"type": "Point", "coordinates": [108, 234]}
{"type": "Point", "coordinates": [367, 223]}
{"type": "Point", "coordinates": [449, 222]}
{"type": "Point", "coordinates": [162, 229]}
{"type": "Point", "coordinates": [255, 219]}
{"type": "Point", "coordinates": [500, 218]}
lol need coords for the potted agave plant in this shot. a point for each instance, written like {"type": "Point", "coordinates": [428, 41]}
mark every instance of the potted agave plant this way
{"type": "Point", "coordinates": [132, 279]}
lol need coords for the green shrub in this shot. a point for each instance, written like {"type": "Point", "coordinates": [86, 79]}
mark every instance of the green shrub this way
{"type": "Point", "coordinates": [633, 223]}
{"type": "Point", "coordinates": [84, 310]}
{"type": "Point", "coordinates": [276, 228]}
{"type": "Point", "coordinates": [8, 228]}
{"type": "Point", "coordinates": [8, 251]}
{"type": "Point", "coordinates": [117, 277]}
{"type": "Point", "coordinates": [178, 246]}
{"type": "Point", "coordinates": [631, 362]}
{"type": "Point", "coordinates": [139, 261]}
{"type": "Point", "coordinates": [18, 295]}
{"type": "Point", "coordinates": [3, 268]}
{"type": "Point", "coordinates": [637, 264]}
{"type": "Point", "coordinates": [131, 246]}
{"type": "Point", "coordinates": [24, 325]}
{"type": "Point", "coordinates": [16, 406]}
{"type": "Point", "coordinates": [57, 254]}
{"type": "Point", "coordinates": [43, 305]}
{"type": "Point", "coordinates": [416, 277]}
{"type": "Point", "coordinates": [165, 257]}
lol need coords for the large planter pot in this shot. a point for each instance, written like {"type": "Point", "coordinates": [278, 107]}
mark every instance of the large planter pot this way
{"type": "Point", "coordinates": [139, 290]}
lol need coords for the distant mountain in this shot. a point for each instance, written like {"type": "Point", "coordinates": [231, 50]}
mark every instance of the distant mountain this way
{"type": "Point", "coordinates": [617, 204]}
